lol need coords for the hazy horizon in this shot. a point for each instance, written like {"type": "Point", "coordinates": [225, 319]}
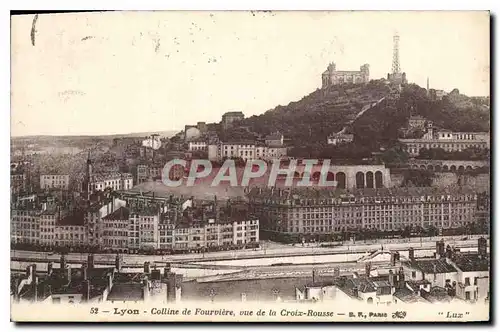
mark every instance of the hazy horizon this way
{"type": "Point", "coordinates": [120, 73]}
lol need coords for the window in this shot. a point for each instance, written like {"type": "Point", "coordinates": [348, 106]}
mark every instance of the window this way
{"type": "Point", "coordinates": [467, 295]}
{"type": "Point", "coordinates": [413, 274]}
{"type": "Point", "coordinates": [467, 281]}
{"type": "Point", "coordinates": [475, 281]}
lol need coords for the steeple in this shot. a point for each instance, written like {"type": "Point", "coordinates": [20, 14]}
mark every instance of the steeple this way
{"type": "Point", "coordinates": [88, 176]}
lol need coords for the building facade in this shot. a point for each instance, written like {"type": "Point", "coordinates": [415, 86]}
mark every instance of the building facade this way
{"type": "Point", "coordinates": [52, 181]}
{"type": "Point", "coordinates": [309, 211]}
{"type": "Point", "coordinates": [339, 138]}
{"type": "Point", "coordinates": [197, 145]}
{"type": "Point", "coordinates": [230, 117]}
{"type": "Point", "coordinates": [331, 76]}
{"type": "Point", "coordinates": [245, 150]}
{"type": "Point", "coordinates": [446, 140]}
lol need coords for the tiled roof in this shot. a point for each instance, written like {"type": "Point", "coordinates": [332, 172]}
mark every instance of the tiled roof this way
{"type": "Point", "coordinates": [129, 291]}
{"type": "Point", "coordinates": [471, 262]}
{"type": "Point", "coordinates": [121, 214]}
{"type": "Point", "coordinates": [430, 266]}
{"type": "Point", "coordinates": [73, 219]}
{"type": "Point", "coordinates": [407, 296]}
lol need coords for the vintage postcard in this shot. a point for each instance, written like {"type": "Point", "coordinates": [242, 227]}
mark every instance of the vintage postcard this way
{"type": "Point", "coordinates": [250, 166]}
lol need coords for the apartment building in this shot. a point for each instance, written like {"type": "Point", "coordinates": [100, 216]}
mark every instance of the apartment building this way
{"type": "Point", "coordinates": [25, 224]}
{"type": "Point", "coordinates": [446, 140]}
{"type": "Point", "coordinates": [53, 181]}
{"type": "Point", "coordinates": [115, 181]}
{"type": "Point", "coordinates": [321, 211]}
{"type": "Point", "coordinates": [246, 150]}
{"type": "Point", "coordinates": [197, 145]}
{"type": "Point", "coordinates": [115, 229]}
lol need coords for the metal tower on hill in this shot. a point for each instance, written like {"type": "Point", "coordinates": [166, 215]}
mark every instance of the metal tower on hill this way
{"type": "Point", "coordinates": [396, 69]}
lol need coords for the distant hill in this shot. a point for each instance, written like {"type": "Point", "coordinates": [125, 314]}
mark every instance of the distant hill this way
{"type": "Point", "coordinates": [167, 134]}
{"type": "Point", "coordinates": [318, 114]}
{"type": "Point", "coordinates": [308, 122]}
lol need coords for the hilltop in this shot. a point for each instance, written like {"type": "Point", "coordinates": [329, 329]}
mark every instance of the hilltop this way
{"type": "Point", "coordinates": [318, 114]}
{"type": "Point", "coordinates": [308, 122]}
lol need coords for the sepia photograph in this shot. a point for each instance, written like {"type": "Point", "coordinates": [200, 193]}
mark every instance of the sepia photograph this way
{"type": "Point", "coordinates": [250, 166]}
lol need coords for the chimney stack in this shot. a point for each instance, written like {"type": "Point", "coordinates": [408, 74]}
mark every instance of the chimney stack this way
{"type": "Point", "coordinates": [439, 249]}
{"type": "Point", "coordinates": [411, 254]}
{"type": "Point", "coordinates": [90, 261]}
{"type": "Point", "coordinates": [67, 272]}
{"type": "Point", "coordinates": [401, 278]}
{"type": "Point", "coordinates": [84, 271]}
{"type": "Point", "coordinates": [86, 291]}
{"type": "Point", "coordinates": [166, 270]}
{"type": "Point", "coordinates": [62, 262]}
{"type": "Point", "coordinates": [171, 283]}
{"type": "Point", "coordinates": [482, 247]}
{"type": "Point", "coordinates": [50, 268]}
{"type": "Point", "coordinates": [118, 263]}
{"type": "Point", "coordinates": [146, 268]}
{"type": "Point", "coordinates": [355, 291]}
{"type": "Point", "coordinates": [35, 288]}
{"type": "Point", "coordinates": [449, 252]}
{"type": "Point", "coordinates": [391, 278]}
{"type": "Point", "coordinates": [393, 258]}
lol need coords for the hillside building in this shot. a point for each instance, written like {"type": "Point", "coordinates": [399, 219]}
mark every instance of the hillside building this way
{"type": "Point", "coordinates": [230, 117]}
{"type": "Point", "coordinates": [331, 76]}
{"type": "Point", "coordinates": [446, 140]}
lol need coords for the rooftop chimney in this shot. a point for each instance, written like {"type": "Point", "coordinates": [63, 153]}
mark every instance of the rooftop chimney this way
{"type": "Point", "coordinates": [393, 258]}
{"type": "Point", "coordinates": [35, 288]}
{"type": "Point", "coordinates": [391, 278]}
{"type": "Point", "coordinates": [118, 263]}
{"type": "Point", "coordinates": [449, 252]}
{"type": "Point", "coordinates": [90, 261]}
{"type": "Point", "coordinates": [440, 249]}
{"type": "Point", "coordinates": [86, 291]}
{"type": "Point", "coordinates": [171, 281]}
{"type": "Point", "coordinates": [166, 270]}
{"type": "Point", "coordinates": [355, 291]}
{"type": "Point", "coordinates": [482, 247]}
{"type": "Point", "coordinates": [411, 254]}
{"type": "Point", "coordinates": [67, 273]}
{"type": "Point", "coordinates": [62, 262]}
{"type": "Point", "coordinates": [84, 271]}
{"type": "Point", "coordinates": [401, 278]}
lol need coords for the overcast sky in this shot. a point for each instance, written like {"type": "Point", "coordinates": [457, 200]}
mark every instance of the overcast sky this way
{"type": "Point", "coordinates": [107, 73]}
